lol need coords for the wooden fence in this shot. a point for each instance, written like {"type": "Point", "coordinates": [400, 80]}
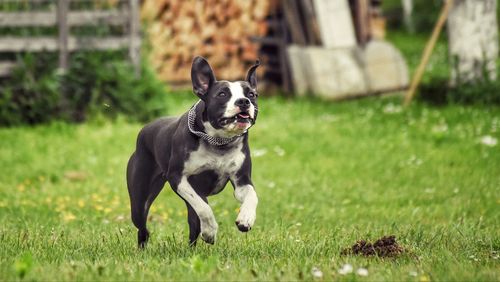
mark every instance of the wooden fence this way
{"type": "Point", "coordinates": [126, 16]}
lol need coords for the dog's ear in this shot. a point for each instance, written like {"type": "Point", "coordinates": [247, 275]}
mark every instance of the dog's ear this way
{"type": "Point", "coordinates": [202, 77]}
{"type": "Point", "coordinates": [252, 76]}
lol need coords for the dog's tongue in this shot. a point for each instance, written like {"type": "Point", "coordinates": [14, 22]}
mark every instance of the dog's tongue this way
{"type": "Point", "coordinates": [242, 115]}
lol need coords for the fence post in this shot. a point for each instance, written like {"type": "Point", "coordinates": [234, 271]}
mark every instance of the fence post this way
{"type": "Point", "coordinates": [62, 22]}
{"type": "Point", "coordinates": [134, 50]}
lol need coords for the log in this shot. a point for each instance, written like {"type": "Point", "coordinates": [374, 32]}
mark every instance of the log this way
{"type": "Point", "coordinates": [219, 30]}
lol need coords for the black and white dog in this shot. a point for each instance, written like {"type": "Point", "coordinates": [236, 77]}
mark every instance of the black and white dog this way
{"type": "Point", "coordinates": [198, 153]}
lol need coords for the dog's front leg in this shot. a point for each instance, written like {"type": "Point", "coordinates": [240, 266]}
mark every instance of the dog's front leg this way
{"type": "Point", "coordinates": [208, 225]}
{"type": "Point", "coordinates": [246, 195]}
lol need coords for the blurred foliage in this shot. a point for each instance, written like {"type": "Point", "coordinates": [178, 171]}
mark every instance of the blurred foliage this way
{"type": "Point", "coordinates": [96, 83]}
{"type": "Point", "coordinates": [435, 87]}
{"type": "Point", "coordinates": [23, 265]}
{"type": "Point", "coordinates": [111, 88]}
{"type": "Point", "coordinates": [424, 17]}
{"type": "Point", "coordinates": [31, 95]}
{"type": "Point", "coordinates": [438, 91]}
{"type": "Point", "coordinates": [425, 14]}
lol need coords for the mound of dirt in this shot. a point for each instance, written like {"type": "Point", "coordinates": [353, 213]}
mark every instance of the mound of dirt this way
{"type": "Point", "coordinates": [383, 247]}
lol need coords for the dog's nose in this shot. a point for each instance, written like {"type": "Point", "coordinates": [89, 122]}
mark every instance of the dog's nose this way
{"type": "Point", "coordinates": [243, 103]}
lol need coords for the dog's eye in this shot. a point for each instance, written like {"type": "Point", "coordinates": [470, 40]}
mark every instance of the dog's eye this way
{"type": "Point", "coordinates": [251, 95]}
{"type": "Point", "coordinates": [221, 94]}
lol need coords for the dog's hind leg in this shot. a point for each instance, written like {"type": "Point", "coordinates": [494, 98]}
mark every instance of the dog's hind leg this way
{"type": "Point", "coordinates": [144, 184]}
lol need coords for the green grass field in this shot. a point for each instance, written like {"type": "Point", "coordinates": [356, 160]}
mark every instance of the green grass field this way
{"type": "Point", "coordinates": [327, 174]}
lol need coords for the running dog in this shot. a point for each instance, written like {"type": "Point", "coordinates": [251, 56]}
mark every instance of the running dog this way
{"type": "Point", "coordinates": [197, 154]}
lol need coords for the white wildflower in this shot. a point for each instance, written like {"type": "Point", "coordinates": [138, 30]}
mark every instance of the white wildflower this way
{"type": "Point", "coordinates": [440, 128]}
{"type": "Point", "coordinates": [346, 269]}
{"type": "Point", "coordinates": [489, 141]}
{"type": "Point", "coordinates": [362, 271]}
{"type": "Point", "coordinates": [328, 117]}
{"type": "Point", "coordinates": [259, 152]}
{"type": "Point", "coordinates": [279, 151]}
{"type": "Point", "coordinates": [392, 109]}
{"type": "Point", "coordinates": [429, 190]}
{"type": "Point", "coordinates": [316, 272]}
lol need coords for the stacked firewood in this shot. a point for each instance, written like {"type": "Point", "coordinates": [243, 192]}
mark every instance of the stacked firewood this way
{"type": "Point", "coordinates": [219, 30]}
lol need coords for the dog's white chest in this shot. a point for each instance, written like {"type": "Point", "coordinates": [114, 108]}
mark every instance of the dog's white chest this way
{"type": "Point", "coordinates": [224, 163]}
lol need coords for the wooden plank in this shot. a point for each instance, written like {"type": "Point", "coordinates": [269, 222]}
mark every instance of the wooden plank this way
{"type": "Point", "coordinates": [36, 44]}
{"type": "Point", "coordinates": [111, 17]}
{"type": "Point", "coordinates": [310, 23]}
{"type": "Point", "coordinates": [75, 18]}
{"type": "Point", "coordinates": [63, 29]}
{"type": "Point", "coordinates": [266, 40]}
{"type": "Point", "coordinates": [99, 43]}
{"type": "Point", "coordinates": [293, 19]}
{"type": "Point", "coordinates": [362, 21]}
{"type": "Point", "coordinates": [14, 19]}
{"type": "Point", "coordinates": [6, 68]}
{"type": "Point", "coordinates": [23, 3]}
{"type": "Point", "coordinates": [134, 36]}
{"type": "Point", "coordinates": [335, 23]}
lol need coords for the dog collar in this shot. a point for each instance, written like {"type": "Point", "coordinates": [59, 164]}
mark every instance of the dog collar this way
{"type": "Point", "coordinates": [212, 140]}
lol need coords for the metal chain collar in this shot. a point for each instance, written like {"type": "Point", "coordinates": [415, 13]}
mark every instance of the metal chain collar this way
{"type": "Point", "coordinates": [212, 140]}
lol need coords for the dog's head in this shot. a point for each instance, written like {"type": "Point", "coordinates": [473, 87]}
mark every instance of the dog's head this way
{"type": "Point", "coordinates": [230, 107]}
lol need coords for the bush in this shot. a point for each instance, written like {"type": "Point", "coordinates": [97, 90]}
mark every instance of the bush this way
{"type": "Point", "coordinates": [96, 83]}
{"type": "Point", "coordinates": [31, 95]}
{"type": "Point", "coordinates": [438, 91]}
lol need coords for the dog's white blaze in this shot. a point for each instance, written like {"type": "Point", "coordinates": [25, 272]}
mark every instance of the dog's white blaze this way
{"type": "Point", "coordinates": [206, 158]}
{"type": "Point", "coordinates": [248, 198]}
{"type": "Point", "coordinates": [236, 93]}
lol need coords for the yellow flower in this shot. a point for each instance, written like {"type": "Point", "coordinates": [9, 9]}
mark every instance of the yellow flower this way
{"type": "Point", "coordinates": [96, 198]}
{"type": "Point", "coordinates": [81, 203]}
{"type": "Point", "coordinates": [60, 207]}
{"type": "Point", "coordinates": [21, 187]}
{"type": "Point", "coordinates": [68, 216]}
{"type": "Point", "coordinates": [424, 278]}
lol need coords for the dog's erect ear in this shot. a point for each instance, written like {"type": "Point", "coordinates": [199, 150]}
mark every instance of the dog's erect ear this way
{"type": "Point", "coordinates": [202, 76]}
{"type": "Point", "coordinates": [252, 76]}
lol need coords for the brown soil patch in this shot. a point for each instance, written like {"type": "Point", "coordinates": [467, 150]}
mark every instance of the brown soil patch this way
{"type": "Point", "coordinates": [383, 247]}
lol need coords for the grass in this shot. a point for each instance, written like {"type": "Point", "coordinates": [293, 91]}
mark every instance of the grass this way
{"type": "Point", "coordinates": [326, 174]}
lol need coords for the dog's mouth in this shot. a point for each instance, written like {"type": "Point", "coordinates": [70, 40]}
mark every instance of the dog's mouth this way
{"type": "Point", "coordinates": [242, 117]}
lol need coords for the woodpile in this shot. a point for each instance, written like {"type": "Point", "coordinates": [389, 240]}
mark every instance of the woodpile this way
{"type": "Point", "coordinates": [219, 30]}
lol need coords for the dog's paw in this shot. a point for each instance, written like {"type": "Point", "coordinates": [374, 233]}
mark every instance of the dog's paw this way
{"type": "Point", "coordinates": [245, 220]}
{"type": "Point", "coordinates": [209, 231]}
